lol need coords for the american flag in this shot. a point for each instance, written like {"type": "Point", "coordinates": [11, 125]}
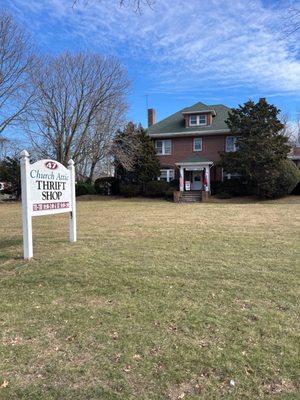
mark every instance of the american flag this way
{"type": "Point", "coordinates": [205, 179]}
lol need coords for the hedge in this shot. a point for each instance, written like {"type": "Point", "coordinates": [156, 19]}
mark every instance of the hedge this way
{"type": "Point", "coordinates": [156, 188]}
{"type": "Point", "coordinates": [82, 188]}
{"type": "Point", "coordinates": [107, 186]}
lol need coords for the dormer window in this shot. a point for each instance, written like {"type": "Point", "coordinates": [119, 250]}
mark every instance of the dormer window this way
{"type": "Point", "coordinates": [200, 119]}
{"type": "Point", "coordinates": [193, 120]}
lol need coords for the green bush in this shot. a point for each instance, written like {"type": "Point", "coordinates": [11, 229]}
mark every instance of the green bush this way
{"type": "Point", "coordinates": [156, 188]}
{"type": "Point", "coordinates": [107, 186]}
{"type": "Point", "coordinates": [223, 195]}
{"type": "Point", "coordinates": [84, 188]}
{"type": "Point", "coordinates": [130, 189]}
{"type": "Point", "coordinates": [174, 183]}
{"type": "Point", "coordinates": [214, 187]}
{"type": "Point", "coordinates": [169, 195]}
{"type": "Point", "coordinates": [279, 182]}
{"type": "Point", "coordinates": [233, 187]}
{"type": "Point", "coordinates": [296, 190]}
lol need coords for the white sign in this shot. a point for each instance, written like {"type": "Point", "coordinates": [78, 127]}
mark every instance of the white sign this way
{"type": "Point", "coordinates": [187, 185]}
{"type": "Point", "coordinates": [47, 188]}
{"type": "Point", "coordinates": [50, 187]}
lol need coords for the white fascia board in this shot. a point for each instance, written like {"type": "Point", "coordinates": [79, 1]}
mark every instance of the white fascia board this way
{"type": "Point", "coordinates": [190, 133]}
{"type": "Point", "coordinates": [199, 112]}
{"type": "Point", "coordinates": [194, 163]}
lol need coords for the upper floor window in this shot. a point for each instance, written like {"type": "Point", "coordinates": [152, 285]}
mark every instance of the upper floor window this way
{"type": "Point", "coordinates": [200, 119]}
{"type": "Point", "coordinates": [163, 147]}
{"type": "Point", "coordinates": [230, 143]}
{"type": "Point", "coordinates": [197, 144]}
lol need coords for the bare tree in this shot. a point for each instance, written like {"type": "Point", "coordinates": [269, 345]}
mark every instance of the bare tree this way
{"type": "Point", "coordinates": [72, 91]}
{"type": "Point", "coordinates": [292, 20]}
{"type": "Point", "coordinates": [137, 5]}
{"type": "Point", "coordinates": [16, 60]}
{"type": "Point", "coordinates": [102, 133]}
{"type": "Point", "coordinates": [291, 129]}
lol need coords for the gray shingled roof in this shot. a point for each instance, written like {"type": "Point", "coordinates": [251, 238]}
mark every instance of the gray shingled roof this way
{"type": "Point", "coordinates": [175, 122]}
{"type": "Point", "coordinates": [194, 158]}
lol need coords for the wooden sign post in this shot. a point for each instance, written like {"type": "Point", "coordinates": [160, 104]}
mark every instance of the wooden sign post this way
{"type": "Point", "coordinates": [47, 188]}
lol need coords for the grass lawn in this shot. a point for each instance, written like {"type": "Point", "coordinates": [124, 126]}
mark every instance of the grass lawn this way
{"type": "Point", "coordinates": [155, 301]}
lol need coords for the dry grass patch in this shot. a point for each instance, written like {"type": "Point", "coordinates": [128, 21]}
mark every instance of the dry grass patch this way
{"type": "Point", "coordinates": [155, 301]}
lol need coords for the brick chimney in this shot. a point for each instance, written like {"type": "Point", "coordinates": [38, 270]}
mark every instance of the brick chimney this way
{"type": "Point", "coordinates": [151, 116]}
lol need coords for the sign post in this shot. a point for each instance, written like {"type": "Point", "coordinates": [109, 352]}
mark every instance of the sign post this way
{"type": "Point", "coordinates": [72, 223]}
{"type": "Point", "coordinates": [47, 188]}
{"type": "Point", "coordinates": [26, 214]}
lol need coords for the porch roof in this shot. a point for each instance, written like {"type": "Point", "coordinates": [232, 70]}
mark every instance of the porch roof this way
{"type": "Point", "coordinates": [195, 159]}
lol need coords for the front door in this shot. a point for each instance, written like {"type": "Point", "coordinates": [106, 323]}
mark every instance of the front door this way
{"type": "Point", "coordinates": [196, 180]}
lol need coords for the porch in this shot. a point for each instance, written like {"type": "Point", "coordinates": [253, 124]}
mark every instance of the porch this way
{"type": "Point", "coordinates": [194, 179]}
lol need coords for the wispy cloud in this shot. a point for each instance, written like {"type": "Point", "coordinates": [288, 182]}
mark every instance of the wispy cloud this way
{"type": "Point", "coordinates": [181, 45]}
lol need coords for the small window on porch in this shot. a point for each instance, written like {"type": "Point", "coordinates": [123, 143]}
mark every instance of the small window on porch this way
{"type": "Point", "coordinates": [166, 175]}
{"type": "Point", "coordinates": [197, 144]}
{"type": "Point", "coordinates": [227, 176]}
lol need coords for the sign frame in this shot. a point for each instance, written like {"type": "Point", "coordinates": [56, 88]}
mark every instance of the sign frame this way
{"type": "Point", "coordinates": [27, 201]}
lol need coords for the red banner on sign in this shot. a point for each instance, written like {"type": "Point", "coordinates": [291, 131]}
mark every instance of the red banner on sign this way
{"type": "Point", "coordinates": [50, 206]}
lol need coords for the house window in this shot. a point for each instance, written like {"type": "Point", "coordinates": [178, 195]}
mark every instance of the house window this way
{"type": "Point", "coordinates": [198, 120]}
{"type": "Point", "coordinates": [197, 144]}
{"type": "Point", "coordinates": [202, 119]}
{"type": "Point", "coordinates": [163, 147]}
{"type": "Point", "coordinates": [227, 176]}
{"type": "Point", "coordinates": [193, 120]}
{"type": "Point", "coordinates": [166, 175]}
{"type": "Point", "coordinates": [230, 143]}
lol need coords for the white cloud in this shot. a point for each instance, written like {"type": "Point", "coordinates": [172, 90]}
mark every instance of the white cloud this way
{"type": "Point", "coordinates": [182, 45]}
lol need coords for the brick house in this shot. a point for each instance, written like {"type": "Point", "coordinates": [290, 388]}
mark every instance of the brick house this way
{"type": "Point", "coordinates": [189, 143]}
{"type": "Point", "coordinates": [295, 155]}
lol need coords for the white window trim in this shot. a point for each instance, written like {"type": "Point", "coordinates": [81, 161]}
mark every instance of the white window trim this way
{"type": "Point", "coordinates": [168, 174]}
{"type": "Point", "coordinates": [194, 148]}
{"type": "Point", "coordinates": [190, 120]}
{"type": "Point", "coordinates": [234, 144]}
{"type": "Point", "coordinates": [198, 123]}
{"type": "Point", "coordinates": [228, 176]}
{"type": "Point", "coordinates": [202, 123]}
{"type": "Point", "coordinates": [163, 149]}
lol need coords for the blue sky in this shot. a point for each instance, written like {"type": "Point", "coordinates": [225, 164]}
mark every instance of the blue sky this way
{"type": "Point", "coordinates": [180, 51]}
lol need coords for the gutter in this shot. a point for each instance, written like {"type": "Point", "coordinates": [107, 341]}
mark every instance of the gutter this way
{"type": "Point", "coordinates": [190, 133]}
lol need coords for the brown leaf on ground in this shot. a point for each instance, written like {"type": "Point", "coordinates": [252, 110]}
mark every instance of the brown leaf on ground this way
{"type": "Point", "coordinates": [71, 338]}
{"type": "Point", "coordinates": [155, 351]}
{"type": "Point", "coordinates": [4, 384]}
{"type": "Point", "coordinates": [115, 335]}
{"type": "Point", "coordinates": [137, 357]}
{"type": "Point", "coordinates": [173, 327]}
{"type": "Point", "coordinates": [127, 368]}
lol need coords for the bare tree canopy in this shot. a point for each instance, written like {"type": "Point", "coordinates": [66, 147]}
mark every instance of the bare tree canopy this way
{"type": "Point", "coordinates": [73, 92]}
{"type": "Point", "coordinates": [293, 20]}
{"type": "Point", "coordinates": [15, 63]}
{"type": "Point", "coordinates": [137, 5]}
{"type": "Point", "coordinates": [101, 137]}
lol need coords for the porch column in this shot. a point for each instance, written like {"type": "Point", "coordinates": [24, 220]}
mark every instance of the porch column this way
{"type": "Point", "coordinates": [208, 178]}
{"type": "Point", "coordinates": [181, 179]}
